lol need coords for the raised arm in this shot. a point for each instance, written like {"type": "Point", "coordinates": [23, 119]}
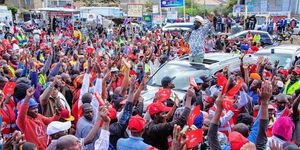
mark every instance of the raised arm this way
{"type": "Point", "coordinates": [102, 142]}
{"type": "Point", "coordinates": [214, 125]}
{"type": "Point", "coordinates": [264, 93]}
{"type": "Point", "coordinates": [46, 94]}
{"type": "Point", "coordinates": [126, 79]}
{"type": "Point", "coordinates": [22, 116]}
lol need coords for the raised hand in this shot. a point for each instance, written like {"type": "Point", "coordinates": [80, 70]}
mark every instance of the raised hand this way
{"type": "Point", "coordinates": [30, 92]}
{"type": "Point", "coordinates": [104, 114]}
{"type": "Point", "coordinates": [178, 143]}
{"type": "Point", "coordinates": [219, 100]}
{"type": "Point", "coordinates": [265, 92]}
{"type": "Point", "coordinates": [245, 66]}
{"type": "Point", "coordinates": [190, 92]}
{"type": "Point", "coordinates": [248, 146]}
{"type": "Point", "coordinates": [260, 60]}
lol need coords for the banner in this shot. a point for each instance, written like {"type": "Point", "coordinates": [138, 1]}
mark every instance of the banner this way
{"type": "Point", "coordinates": [135, 10]}
{"type": "Point", "coordinates": [158, 19]}
{"type": "Point", "coordinates": [155, 9]}
{"type": "Point", "coordinates": [171, 3]}
{"type": "Point", "coordinates": [147, 18]}
{"type": "Point", "coordinates": [172, 15]}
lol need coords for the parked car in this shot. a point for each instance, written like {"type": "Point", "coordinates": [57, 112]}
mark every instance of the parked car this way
{"type": "Point", "coordinates": [266, 39]}
{"type": "Point", "coordinates": [178, 26]}
{"type": "Point", "coordinates": [286, 54]}
{"type": "Point", "coordinates": [297, 29]}
{"type": "Point", "coordinates": [182, 69]}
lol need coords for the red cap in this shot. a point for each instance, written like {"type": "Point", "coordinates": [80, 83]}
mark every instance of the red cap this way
{"type": "Point", "coordinates": [268, 74]}
{"type": "Point", "coordinates": [14, 41]}
{"type": "Point", "coordinates": [31, 41]}
{"type": "Point", "coordinates": [296, 70]}
{"type": "Point", "coordinates": [237, 140]}
{"type": "Point", "coordinates": [284, 71]}
{"type": "Point", "coordinates": [208, 99]}
{"type": "Point", "coordinates": [136, 123]}
{"type": "Point", "coordinates": [65, 114]}
{"type": "Point", "coordinates": [157, 107]}
{"type": "Point", "coordinates": [112, 113]}
{"type": "Point", "coordinates": [133, 57]}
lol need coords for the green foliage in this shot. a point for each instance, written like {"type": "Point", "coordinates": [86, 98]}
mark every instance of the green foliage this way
{"type": "Point", "coordinates": [13, 9]}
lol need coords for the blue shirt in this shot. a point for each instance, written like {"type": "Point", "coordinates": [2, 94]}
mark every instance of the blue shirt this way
{"type": "Point", "coordinates": [132, 143]}
{"type": "Point", "coordinates": [254, 97]}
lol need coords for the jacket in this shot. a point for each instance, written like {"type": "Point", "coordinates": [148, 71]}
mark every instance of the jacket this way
{"type": "Point", "coordinates": [117, 129]}
{"type": "Point", "coordinates": [156, 134]}
{"type": "Point", "coordinates": [34, 129]}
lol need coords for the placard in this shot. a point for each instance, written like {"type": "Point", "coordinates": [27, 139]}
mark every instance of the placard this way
{"type": "Point", "coordinates": [135, 11]}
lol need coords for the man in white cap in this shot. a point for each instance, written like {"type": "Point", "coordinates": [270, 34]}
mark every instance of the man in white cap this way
{"type": "Point", "coordinates": [197, 37]}
{"type": "Point", "coordinates": [56, 130]}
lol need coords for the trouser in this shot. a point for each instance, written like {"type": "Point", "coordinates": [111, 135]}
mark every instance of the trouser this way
{"type": "Point", "coordinates": [197, 58]}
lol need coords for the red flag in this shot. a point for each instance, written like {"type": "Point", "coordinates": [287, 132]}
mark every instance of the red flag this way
{"type": "Point", "coordinates": [228, 104]}
{"type": "Point", "coordinates": [222, 81]}
{"type": "Point", "coordinates": [99, 98]}
{"type": "Point", "coordinates": [90, 50]}
{"type": "Point", "coordinates": [235, 89]}
{"type": "Point", "coordinates": [194, 137]}
{"type": "Point", "coordinates": [193, 83]}
{"type": "Point", "coordinates": [163, 94]}
{"type": "Point", "coordinates": [194, 114]}
{"type": "Point", "coordinates": [9, 88]}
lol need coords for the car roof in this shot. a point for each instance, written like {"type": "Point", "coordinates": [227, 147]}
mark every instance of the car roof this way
{"type": "Point", "coordinates": [210, 59]}
{"type": "Point", "coordinates": [281, 49]}
{"type": "Point", "coordinates": [181, 23]}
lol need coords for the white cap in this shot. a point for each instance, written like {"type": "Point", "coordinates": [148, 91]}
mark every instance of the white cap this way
{"type": "Point", "coordinates": [200, 19]}
{"type": "Point", "coordinates": [280, 84]}
{"type": "Point", "coordinates": [57, 126]}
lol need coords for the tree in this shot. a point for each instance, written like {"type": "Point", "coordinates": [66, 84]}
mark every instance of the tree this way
{"type": "Point", "coordinates": [12, 8]}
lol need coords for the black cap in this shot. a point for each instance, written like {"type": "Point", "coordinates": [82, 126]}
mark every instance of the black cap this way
{"type": "Point", "coordinates": [166, 80]}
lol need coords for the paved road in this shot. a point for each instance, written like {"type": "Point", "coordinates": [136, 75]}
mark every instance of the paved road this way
{"type": "Point", "coordinates": [296, 40]}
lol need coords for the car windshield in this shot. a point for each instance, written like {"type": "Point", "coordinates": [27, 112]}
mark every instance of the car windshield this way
{"type": "Point", "coordinates": [181, 72]}
{"type": "Point", "coordinates": [284, 60]}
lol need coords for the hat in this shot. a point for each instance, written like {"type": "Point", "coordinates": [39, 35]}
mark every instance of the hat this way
{"type": "Point", "coordinates": [112, 113]}
{"type": "Point", "coordinates": [157, 107]}
{"type": "Point", "coordinates": [31, 102]}
{"type": "Point", "coordinates": [200, 19]}
{"type": "Point", "coordinates": [198, 80]}
{"type": "Point", "coordinates": [280, 84]}
{"type": "Point", "coordinates": [65, 114]}
{"type": "Point", "coordinates": [237, 140]}
{"type": "Point", "coordinates": [255, 76]}
{"type": "Point", "coordinates": [297, 71]}
{"type": "Point", "coordinates": [166, 80]}
{"type": "Point", "coordinates": [136, 123]}
{"type": "Point", "coordinates": [283, 127]}
{"type": "Point", "coordinates": [284, 71]}
{"type": "Point", "coordinates": [56, 126]}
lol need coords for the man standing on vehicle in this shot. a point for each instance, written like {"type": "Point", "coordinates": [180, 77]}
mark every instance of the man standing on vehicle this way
{"type": "Point", "coordinates": [196, 38]}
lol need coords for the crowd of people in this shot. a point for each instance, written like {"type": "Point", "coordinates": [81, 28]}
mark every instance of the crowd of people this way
{"type": "Point", "coordinates": [79, 87]}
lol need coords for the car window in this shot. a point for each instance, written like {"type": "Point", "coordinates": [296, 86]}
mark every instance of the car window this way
{"type": "Point", "coordinates": [181, 72]}
{"type": "Point", "coordinates": [284, 60]}
{"type": "Point", "coordinates": [242, 35]}
{"type": "Point", "coordinates": [264, 36]}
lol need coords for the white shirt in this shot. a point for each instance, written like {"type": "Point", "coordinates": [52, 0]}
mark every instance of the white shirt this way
{"type": "Point", "coordinates": [102, 142]}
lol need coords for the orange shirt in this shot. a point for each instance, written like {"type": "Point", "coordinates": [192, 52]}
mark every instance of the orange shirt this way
{"type": "Point", "coordinates": [34, 129]}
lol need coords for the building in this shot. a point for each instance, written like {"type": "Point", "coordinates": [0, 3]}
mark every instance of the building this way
{"type": "Point", "coordinates": [210, 3]}
{"type": "Point", "coordinates": [124, 3]}
{"type": "Point", "coordinates": [26, 4]}
{"type": "Point", "coordinates": [58, 3]}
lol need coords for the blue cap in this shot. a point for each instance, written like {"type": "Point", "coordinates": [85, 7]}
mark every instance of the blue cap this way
{"type": "Point", "coordinates": [31, 102]}
{"type": "Point", "coordinates": [198, 80]}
